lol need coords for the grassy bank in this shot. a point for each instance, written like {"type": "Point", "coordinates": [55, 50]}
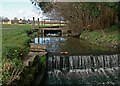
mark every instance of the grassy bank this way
{"type": "Point", "coordinates": [14, 39]}
{"type": "Point", "coordinates": [108, 37]}
{"type": "Point", "coordinates": [14, 48]}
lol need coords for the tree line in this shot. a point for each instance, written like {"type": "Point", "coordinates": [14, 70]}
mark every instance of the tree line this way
{"type": "Point", "coordinates": [80, 16]}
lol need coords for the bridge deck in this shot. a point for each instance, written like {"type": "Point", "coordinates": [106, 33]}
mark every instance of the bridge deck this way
{"type": "Point", "coordinates": [51, 28]}
{"type": "Point", "coordinates": [37, 47]}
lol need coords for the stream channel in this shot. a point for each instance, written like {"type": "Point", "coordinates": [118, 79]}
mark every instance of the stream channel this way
{"type": "Point", "coordinates": [71, 61]}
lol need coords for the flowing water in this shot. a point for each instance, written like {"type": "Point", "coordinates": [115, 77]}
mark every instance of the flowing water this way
{"type": "Point", "coordinates": [82, 64]}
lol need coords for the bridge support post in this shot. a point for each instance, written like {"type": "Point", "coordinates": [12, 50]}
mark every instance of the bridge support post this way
{"type": "Point", "coordinates": [43, 33]}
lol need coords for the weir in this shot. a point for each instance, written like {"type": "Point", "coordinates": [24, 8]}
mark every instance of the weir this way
{"type": "Point", "coordinates": [87, 70]}
{"type": "Point", "coordinates": [83, 62]}
{"type": "Point", "coordinates": [70, 61]}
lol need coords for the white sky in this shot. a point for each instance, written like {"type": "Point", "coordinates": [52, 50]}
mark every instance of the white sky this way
{"type": "Point", "coordinates": [18, 8]}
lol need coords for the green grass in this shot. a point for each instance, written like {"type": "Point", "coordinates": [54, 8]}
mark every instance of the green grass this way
{"type": "Point", "coordinates": [43, 60]}
{"type": "Point", "coordinates": [14, 36]}
{"type": "Point", "coordinates": [16, 26]}
{"type": "Point", "coordinates": [15, 46]}
{"type": "Point", "coordinates": [106, 37]}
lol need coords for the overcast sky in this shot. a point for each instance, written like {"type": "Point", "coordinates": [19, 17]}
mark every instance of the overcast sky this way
{"type": "Point", "coordinates": [18, 8]}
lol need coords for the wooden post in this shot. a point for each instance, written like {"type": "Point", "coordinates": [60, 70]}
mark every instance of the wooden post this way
{"type": "Point", "coordinates": [38, 39]}
{"type": "Point", "coordinates": [33, 23]}
{"type": "Point", "coordinates": [60, 21]}
{"type": "Point", "coordinates": [44, 22]}
{"type": "Point", "coordinates": [38, 23]}
{"type": "Point", "coordinates": [38, 32]}
{"type": "Point", "coordinates": [41, 22]}
{"type": "Point", "coordinates": [49, 22]}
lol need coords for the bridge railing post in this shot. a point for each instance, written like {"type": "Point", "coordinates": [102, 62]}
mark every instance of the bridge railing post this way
{"type": "Point", "coordinates": [38, 23]}
{"type": "Point", "coordinates": [33, 23]}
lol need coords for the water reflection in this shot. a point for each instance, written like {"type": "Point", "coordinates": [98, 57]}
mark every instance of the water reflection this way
{"type": "Point", "coordinates": [74, 46]}
{"type": "Point", "coordinates": [53, 44]}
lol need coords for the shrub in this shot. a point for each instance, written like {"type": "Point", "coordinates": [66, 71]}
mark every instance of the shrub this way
{"type": "Point", "coordinates": [9, 67]}
{"type": "Point", "coordinates": [27, 41]}
{"type": "Point", "coordinates": [11, 52]}
{"type": "Point", "coordinates": [35, 34]}
{"type": "Point", "coordinates": [29, 31]}
{"type": "Point", "coordinates": [43, 59]}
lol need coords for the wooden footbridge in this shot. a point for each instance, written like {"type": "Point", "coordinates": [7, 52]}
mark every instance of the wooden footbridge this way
{"type": "Point", "coordinates": [50, 30]}
{"type": "Point", "coordinates": [38, 49]}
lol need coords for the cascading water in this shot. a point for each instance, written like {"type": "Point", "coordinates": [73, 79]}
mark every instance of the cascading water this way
{"type": "Point", "coordinates": [84, 62]}
{"type": "Point", "coordinates": [102, 69]}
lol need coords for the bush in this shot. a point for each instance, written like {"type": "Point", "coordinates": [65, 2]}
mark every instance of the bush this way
{"type": "Point", "coordinates": [9, 67]}
{"type": "Point", "coordinates": [28, 31]}
{"type": "Point", "coordinates": [43, 60]}
{"type": "Point", "coordinates": [35, 34]}
{"type": "Point", "coordinates": [15, 43]}
{"type": "Point", "coordinates": [11, 52]}
{"type": "Point", "coordinates": [27, 41]}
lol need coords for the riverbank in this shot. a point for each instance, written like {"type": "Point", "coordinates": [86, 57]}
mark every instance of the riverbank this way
{"type": "Point", "coordinates": [108, 37]}
{"type": "Point", "coordinates": [15, 46]}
